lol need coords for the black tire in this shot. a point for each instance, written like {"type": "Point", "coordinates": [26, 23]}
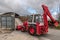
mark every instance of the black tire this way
{"type": "Point", "coordinates": [33, 29]}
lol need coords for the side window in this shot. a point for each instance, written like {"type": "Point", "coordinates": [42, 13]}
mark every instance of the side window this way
{"type": "Point", "coordinates": [36, 19]}
{"type": "Point", "coordinates": [41, 18]}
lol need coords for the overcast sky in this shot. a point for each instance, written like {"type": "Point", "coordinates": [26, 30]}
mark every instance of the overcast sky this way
{"type": "Point", "coordinates": [24, 7]}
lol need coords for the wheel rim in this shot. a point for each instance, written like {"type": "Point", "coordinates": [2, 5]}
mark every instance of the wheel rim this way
{"type": "Point", "coordinates": [32, 30]}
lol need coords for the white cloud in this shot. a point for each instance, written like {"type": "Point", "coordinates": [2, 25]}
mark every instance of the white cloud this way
{"type": "Point", "coordinates": [21, 6]}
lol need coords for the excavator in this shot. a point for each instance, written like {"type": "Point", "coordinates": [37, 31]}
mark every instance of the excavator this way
{"type": "Point", "coordinates": [38, 24]}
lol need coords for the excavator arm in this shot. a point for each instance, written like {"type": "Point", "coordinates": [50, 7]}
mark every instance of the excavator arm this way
{"type": "Point", "coordinates": [47, 13]}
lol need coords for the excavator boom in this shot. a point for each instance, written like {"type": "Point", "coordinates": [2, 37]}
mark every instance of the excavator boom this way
{"type": "Point", "coordinates": [47, 13]}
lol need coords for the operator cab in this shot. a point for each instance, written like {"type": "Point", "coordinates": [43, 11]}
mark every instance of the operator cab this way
{"type": "Point", "coordinates": [36, 18]}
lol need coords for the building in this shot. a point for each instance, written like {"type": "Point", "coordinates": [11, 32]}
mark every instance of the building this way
{"type": "Point", "coordinates": [7, 20]}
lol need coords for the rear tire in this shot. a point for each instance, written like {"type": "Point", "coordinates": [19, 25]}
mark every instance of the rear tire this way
{"type": "Point", "coordinates": [32, 30]}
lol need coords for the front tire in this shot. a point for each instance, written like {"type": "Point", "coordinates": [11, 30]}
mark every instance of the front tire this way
{"type": "Point", "coordinates": [22, 29]}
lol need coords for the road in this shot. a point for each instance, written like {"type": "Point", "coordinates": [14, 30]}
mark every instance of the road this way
{"type": "Point", "coordinates": [53, 34]}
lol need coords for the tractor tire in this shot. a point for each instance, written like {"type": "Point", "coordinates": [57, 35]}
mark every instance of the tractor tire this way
{"type": "Point", "coordinates": [32, 30]}
{"type": "Point", "coordinates": [22, 29]}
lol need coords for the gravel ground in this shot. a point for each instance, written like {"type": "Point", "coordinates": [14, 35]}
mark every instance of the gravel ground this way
{"type": "Point", "coordinates": [53, 34]}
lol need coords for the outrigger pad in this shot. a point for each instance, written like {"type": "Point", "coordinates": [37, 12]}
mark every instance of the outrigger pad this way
{"type": "Point", "coordinates": [56, 24]}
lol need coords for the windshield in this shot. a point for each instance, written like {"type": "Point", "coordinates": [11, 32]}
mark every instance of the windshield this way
{"type": "Point", "coordinates": [30, 18]}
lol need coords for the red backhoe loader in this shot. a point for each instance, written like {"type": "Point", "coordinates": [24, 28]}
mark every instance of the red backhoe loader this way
{"type": "Point", "coordinates": [37, 24]}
